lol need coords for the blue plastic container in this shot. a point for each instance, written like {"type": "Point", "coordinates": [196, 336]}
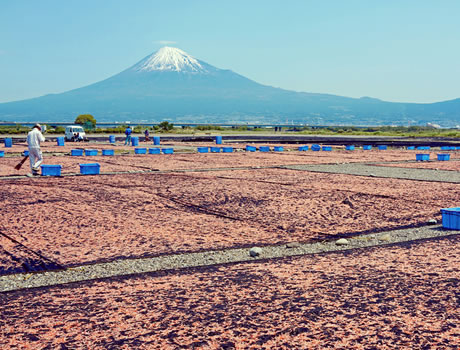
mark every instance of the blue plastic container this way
{"type": "Point", "coordinates": [51, 170]}
{"type": "Point", "coordinates": [443, 156]}
{"type": "Point", "coordinates": [278, 149]}
{"type": "Point", "coordinates": [8, 142]}
{"type": "Point", "coordinates": [60, 140]}
{"type": "Point", "coordinates": [410, 147]}
{"type": "Point", "coordinates": [451, 218]}
{"type": "Point", "coordinates": [76, 152]}
{"type": "Point", "coordinates": [154, 150]}
{"type": "Point", "coordinates": [315, 148]}
{"type": "Point", "coordinates": [108, 152]}
{"type": "Point", "coordinates": [457, 148]}
{"type": "Point", "coordinates": [140, 151]}
{"type": "Point", "coordinates": [422, 157]}
{"type": "Point", "coordinates": [218, 140]}
{"type": "Point", "coordinates": [215, 149]}
{"type": "Point", "coordinates": [2, 154]}
{"type": "Point", "coordinates": [90, 152]}
{"type": "Point", "coordinates": [251, 149]}
{"type": "Point", "coordinates": [227, 149]}
{"type": "Point", "coordinates": [264, 149]}
{"type": "Point", "coordinates": [327, 148]}
{"type": "Point", "coordinates": [367, 147]}
{"type": "Point", "coordinates": [350, 147]}
{"type": "Point", "coordinates": [135, 141]}
{"type": "Point", "coordinates": [111, 139]}
{"type": "Point", "coordinates": [156, 140]}
{"type": "Point", "coordinates": [452, 148]}
{"type": "Point", "coordinates": [382, 147]}
{"type": "Point", "coordinates": [445, 148]}
{"type": "Point", "coordinates": [303, 148]}
{"type": "Point", "coordinates": [25, 153]}
{"type": "Point", "coordinates": [423, 147]}
{"type": "Point", "coordinates": [90, 169]}
{"type": "Point", "coordinates": [167, 150]}
{"type": "Point", "coordinates": [203, 149]}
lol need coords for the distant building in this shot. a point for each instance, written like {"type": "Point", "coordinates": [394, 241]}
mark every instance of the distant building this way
{"type": "Point", "coordinates": [434, 126]}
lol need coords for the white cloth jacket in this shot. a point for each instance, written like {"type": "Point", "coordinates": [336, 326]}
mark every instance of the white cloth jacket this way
{"type": "Point", "coordinates": [34, 137]}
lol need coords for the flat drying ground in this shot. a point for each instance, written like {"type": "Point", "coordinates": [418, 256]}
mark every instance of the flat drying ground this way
{"type": "Point", "coordinates": [400, 296]}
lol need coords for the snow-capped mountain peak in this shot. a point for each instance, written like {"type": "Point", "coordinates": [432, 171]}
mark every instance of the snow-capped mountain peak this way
{"type": "Point", "coordinates": [170, 59]}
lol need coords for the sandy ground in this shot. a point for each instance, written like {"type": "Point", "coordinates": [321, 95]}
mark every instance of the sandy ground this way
{"type": "Point", "coordinates": [73, 220]}
{"type": "Point", "coordinates": [398, 297]}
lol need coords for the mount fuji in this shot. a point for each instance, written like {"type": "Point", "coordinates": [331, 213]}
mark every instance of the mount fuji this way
{"type": "Point", "coordinates": [172, 85]}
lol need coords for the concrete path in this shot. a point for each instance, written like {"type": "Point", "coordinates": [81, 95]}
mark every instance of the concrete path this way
{"type": "Point", "coordinates": [381, 171]}
{"type": "Point", "coordinates": [215, 257]}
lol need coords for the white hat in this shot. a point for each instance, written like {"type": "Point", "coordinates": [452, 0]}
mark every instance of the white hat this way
{"type": "Point", "coordinates": [38, 126]}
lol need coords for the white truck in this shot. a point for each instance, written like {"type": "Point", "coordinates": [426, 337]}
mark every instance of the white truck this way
{"type": "Point", "coordinates": [74, 133]}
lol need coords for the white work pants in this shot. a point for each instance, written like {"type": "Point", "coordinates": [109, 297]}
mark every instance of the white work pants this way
{"type": "Point", "coordinates": [36, 158]}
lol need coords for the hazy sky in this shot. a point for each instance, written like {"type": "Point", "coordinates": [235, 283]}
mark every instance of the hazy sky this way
{"type": "Point", "coordinates": [393, 50]}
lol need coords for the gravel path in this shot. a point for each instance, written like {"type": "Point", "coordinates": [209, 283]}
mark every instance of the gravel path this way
{"type": "Point", "coordinates": [180, 261]}
{"type": "Point", "coordinates": [380, 171]}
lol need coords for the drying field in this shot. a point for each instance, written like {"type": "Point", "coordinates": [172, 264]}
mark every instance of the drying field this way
{"type": "Point", "coordinates": [84, 219]}
{"type": "Point", "coordinates": [399, 296]}
{"type": "Point", "coordinates": [125, 160]}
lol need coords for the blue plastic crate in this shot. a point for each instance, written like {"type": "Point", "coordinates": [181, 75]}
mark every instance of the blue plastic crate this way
{"type": "Point", "coordinates": [278, 149]}
{"type": "Point", "coordinates": [215, 149]}
{"type": "Point", "coordinates": [451, 218]}
{"type": "Point", "coordinates": [140, 151]}
{"type": "Point", "coordinates": [367, 147]}
{"type": "Point", "coordinates": [51, 170]}
{"type": "Point", "coordinates": [202, 149]}
{"type": "Point", "coordinates": [422, 157]}
{"type": "Point", "coordinates": [264, 149]}
{"type": "Point", "coordinates": [90, 152]}
{"type": "Point", "coordinates": [382, 147]}
{"type": "Point", "coordinates": [90, 169]}
{"type": "Point", "coordinates": [8, 142]}
{"type": "Point", "coordinates": [452, 148]}
{"type": "Point", "coordinates": [218, 140]}
{"type": "Point", "coordinates": [445, 148]}
{"type": "Point", "coordinates": [443, 156]}
{"type": "Point", "coordinates": [423, 147]}
{"type": "Point", "coordinates": [25, 153]}
{"type": "Point", "coordinates": [303, 148]}
{"type": "Point", "coordinates": [251, 149]}
{"type": "Point", "coordinates": [111, 139]}
{"type": "Point", "coordinates": [327, 148]}
{"type": "Point", "coordinates": [108, 152]}
{"type": "Point", "coordinates": [410, 147]}
{"type": "Point", "coordinates": [76, 152]}
{"type": "Point", "coordinates": [227, 149]}
{"type": "Point", "coordinates": [457, 148]}
{"type": "Point", "coordinates": [156, 140]}
{"type": "Point", "coordinates": [315, 148]}
{"type": "Point", "coordinates": [167, 150]}
{"type": "Point", "coordinates": [350, 147]}
{"type": "Point", "coordinates": [60, 140]}
{"type": "Point", "coordinates": [2, 153]}
{"type": "Point", "coordinates": [135, 141]}
{"type": "Point", "coordinates": [154, 150]}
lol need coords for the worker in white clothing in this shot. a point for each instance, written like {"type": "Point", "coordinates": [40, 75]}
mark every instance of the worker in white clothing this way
{"type": "Point", "coordinates": [34, 137]}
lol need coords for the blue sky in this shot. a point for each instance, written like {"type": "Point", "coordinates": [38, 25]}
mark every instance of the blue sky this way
{"type": "Point", "coordinates": [404, 50]}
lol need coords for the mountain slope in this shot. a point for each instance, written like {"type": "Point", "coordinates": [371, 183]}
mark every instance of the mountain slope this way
{"type": "Point", "coordinates": [172, 84]}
